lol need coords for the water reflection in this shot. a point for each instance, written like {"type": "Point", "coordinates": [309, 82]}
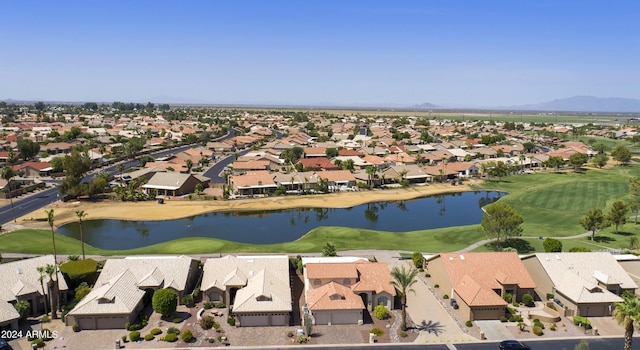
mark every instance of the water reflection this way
{"type": "Point", "coordinates": [263, 227]}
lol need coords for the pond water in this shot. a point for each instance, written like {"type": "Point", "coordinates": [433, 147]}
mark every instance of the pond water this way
{"type": "Point", "coordinates": [263, 227]}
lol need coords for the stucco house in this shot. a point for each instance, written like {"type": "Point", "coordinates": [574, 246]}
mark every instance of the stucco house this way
{"type": "Point", "coordinates": [125, 285]}
{"type": "Point", "coordinates": [583, 284]}
{"type": "Point", "coordinates": [257, 288]}
{"type": "Point", "coordinates": [339, 290]}
{"type": "Point", "coordinates": [479, 281]}
{"type": "Point", "coordinates": [173, 183]}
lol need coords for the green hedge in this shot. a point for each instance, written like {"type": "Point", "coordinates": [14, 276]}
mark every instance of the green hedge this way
{"type": "Point", "coordinates": [80, 271]}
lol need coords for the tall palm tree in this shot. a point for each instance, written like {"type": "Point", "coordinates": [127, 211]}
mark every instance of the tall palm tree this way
{"type": "Point", "coordinates": [41, 270]}
{"type": "Point", "coordinates": [55, 253]}
{"type": "Point", "coordinates": [80, 214]}
{"type": "Point", "coordinates": [51, 285]}
{"type": "Point", "coordinates": [402, 281]}
{"type": "Point", "coordinates": [7, 174]}
{"type": "Point", "coordinates": [626, 314]}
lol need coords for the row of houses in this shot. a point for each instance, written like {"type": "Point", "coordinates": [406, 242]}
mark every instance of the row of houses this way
{"type": "Point", "coordinates": [337, 290]}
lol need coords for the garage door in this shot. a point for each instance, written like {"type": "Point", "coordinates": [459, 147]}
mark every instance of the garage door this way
{"type": "Point", "coordinates": [279, 320]}
{"type": "Point", "coordinates": [86, 322]}
{"type": "Point", "coordinates": [111, 322]}
{"type": "Point", "coordinates": [350, 317]}
{"type": "Point", "coordinates": [254, 320]}
{"type": "Point", "coordinates": [322, 317]}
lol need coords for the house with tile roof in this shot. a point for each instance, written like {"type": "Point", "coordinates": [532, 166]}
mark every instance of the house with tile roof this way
{"type": "Point", "coordinates": [583, 284]}
{"type": "Point", "coordinates": [253, 183]}
{"type": "Point", "coordinates": [21, 281]}
{"type": "Point", "coordinates": [339, 291]}
{"type": "Point", "coordinates": [256, 288]}
{"type": "Point", "coordinates": [479, 281]}
{"type": "Point", "coordinates": [173, 183]}
{"type": "Point", "coordinates": [124, 285]}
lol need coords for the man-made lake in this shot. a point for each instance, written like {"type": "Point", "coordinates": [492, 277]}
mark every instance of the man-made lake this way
{"type": "Point", "coordinates": [262, 227]}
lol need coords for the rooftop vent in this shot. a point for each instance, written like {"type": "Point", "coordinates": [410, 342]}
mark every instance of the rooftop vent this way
{"type": "Point", "coordinates": [19, 270]}
{"type": "Point", "coordinates": [461, 257]}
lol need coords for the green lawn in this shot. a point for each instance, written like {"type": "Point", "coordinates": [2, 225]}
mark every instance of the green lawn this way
{"type": "Point", "coordinates": [551, 204]}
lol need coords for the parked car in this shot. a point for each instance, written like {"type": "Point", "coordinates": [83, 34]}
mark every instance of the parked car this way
{"type": "Point", "coordinates": [513, 345]}
{"type": "Point", "coordinates": [454, 304]}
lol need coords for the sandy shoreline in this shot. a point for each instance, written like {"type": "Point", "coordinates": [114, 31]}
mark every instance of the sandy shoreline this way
{"type": "Point", "coordinates": [176, 209]}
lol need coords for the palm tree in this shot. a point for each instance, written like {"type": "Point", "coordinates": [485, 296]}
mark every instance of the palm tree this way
{"type": "Point", "coordinates": [43, 273]}
{"type": "Point", "coordinates": [55, 253]}
{"type": "Point", "coordinates": [402, 281]}
{"type": "Point", "coordinates": [80, 214]}
{"type": "Point", "coordinates": [52, 270]}
{"type": "Point", "coordinates": [7, 174]}
{"type": "Point", "coordinates": [626, 313]}
{"type": "Point", "coordinates": [189, 164]}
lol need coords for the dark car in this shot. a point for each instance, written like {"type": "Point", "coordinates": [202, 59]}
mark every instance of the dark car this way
{"type": "Point", "coordinates": [513, 345]}
{"type": "Point", "coordinates": [4, 345]}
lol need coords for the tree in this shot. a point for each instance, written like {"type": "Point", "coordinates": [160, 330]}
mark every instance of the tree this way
{"type": "Point", "coordinates": [55, 254]}
{"type": "Point", "coordinates": [622, 154]}
{"type": "Point", "coordinates": [52, 270]}
{"type": "Point", "coordinates": [24, 309]}
{"type": "Point", "coordinates": [577, 160]}
{"type": "Point", "coordinates": [618, 214]}
{"type": "Point", "coordinates": [403, 280]}
{"type": "Point", "coordinates": [75, 166]}
{"type": "Point", "coordinates": [329, 249]}
{"type": "Point", "coordinates": [57, 163]}
{"type": "Point", "coordinates": [634, 196]}
{"type": "Point", "coordinates": [600, 160]}
{"type": "Point", "coordinates": [44, 291]}
{"type": "Point", "coordinates": [7, 174]}
{"type": "Point", "coordinates": [501, 221]}
{"type": "Point", "coordinates": [331, 152]}
{"type": "Point", "coordinates": [554, 162]}
{"type": "Point", "coordinates": [582, 345]}
{"type": "Point", "coordinates": [552, 245]}
{"type": "Point", "coordinates": [371, 173]}
{"type": "Point", "coordinates": [28, 149]}
{"type": "Point", "coordinates": [418, 260]}
{"type": "Point", "coordinates": [593, 221]}
{"type": "Point", "coordinates": [81, 214]}
{"type": "Point", "coordinates": [626, 314]}
{"type": "Point", "coordinates": [165, 302]}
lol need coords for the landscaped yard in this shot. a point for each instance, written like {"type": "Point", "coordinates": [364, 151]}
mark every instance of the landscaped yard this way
{"type": "Point", "coordinates": [551, 203]}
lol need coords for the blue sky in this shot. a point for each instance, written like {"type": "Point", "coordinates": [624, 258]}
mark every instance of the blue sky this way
{"type": "Point", "coordinates": [462, 53]}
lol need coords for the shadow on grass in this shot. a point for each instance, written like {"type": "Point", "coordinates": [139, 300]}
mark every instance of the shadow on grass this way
{"type": "Point", "coordinates": [622, 233]}
{"type": "Point", "coordinates": [521, 245]}
{"type": "Point", "coordinates": [603, 239]}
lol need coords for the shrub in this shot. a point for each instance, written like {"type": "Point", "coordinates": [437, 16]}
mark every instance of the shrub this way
{"type": "Point", "coordinates": [216, 325]}
{"type": "Point", "coordinates": [468, 323]}
{"type": "Point", "coordinates": [173, 330]}
{"type": "Point", "coordinates": [73, 258]}
{"type": "Point", "coordinates": [231, 321]}
{"type": "Point", "coordinates": [187, 336]}
{"type": "Point", "coordinates": [403, 334]}
{"type": "Point", "coordinates": [207, 322]}
{"type": "Point", "coordinates": [549, 296]}
{"type": "Point", "coordinates": [134, 336]}
{"type": "Point", "coordinates": [553, 327]}
{"type": "Point", "coordinates": [177, 320]}
{"type": "Point", "coordinates": [45, 319]}
{"type": "Point", "coordinates": [220, 305]}
{"type": "Point", "coordinates": [516, 304]}
{"type": "Point", "coordinates": [445, 296]}
{"type": "Point", "coordinates": [436, 286]}
{"type": "Point", "coordinates": [537, 323]}
{"type": "Point", "coordinates": [149, 337]}
{"type": "Point", "coordinates": [503, 319]}
{"type": "Point", "coordinates": [527, 299]}
{"type": "Point", "coordinates": [80, 271]}
{"type": "Point", "coordinates": [222, 338]}
{"type": "Point", "coordinates": [518, 318]}
{"type": "Point", "coordinates": [165, 301]}
{"type": "Point", "coordinates": [187, 300]}
{"type": "Point", "coordinates": [134, 327]}
{"type": "Point", "coordinates": [211, 340]}
{"type": "Point", "coordinates": [46, 334]}
{"type": "Point", "coordinates": [24, 309]}
{"type": "Point", "coordinates": [537, 331]}
{"type": "Point", "coordinates": [290, 334]}
{"type": "Point", "coordinates": [39, 343]}
{"type": "Point", "coordinates": [512, 319]}
{"type": "Point", "coordinates": [302, 339]}
{"type": "Point", "coordinates": [75, 327]}
{"type": "Point", "coordinates": [196, 292]}
{"type": "Point", "coordinates": [170, 338]}
{"type": "Point", "coordinates": [377, 331]}
{"type": "Point", "coordinates": [508, 297]}
{"type": "Point", "coordinates": [156, 331]}
{"type": "Point", "coordinates": [427, 275]}
{"type": "Point", "coordinates": [418, 259]}
{"type": "Point", "coordinates": [208, 305]}
{"type": "Point", "coordinates": [581, 321]}
{"type": "Point", "coordinates": [511, 310]}
{"type": "Point", "coordinates": [552, 245]}
{"type": "Point", "coordinates": [381, 312]}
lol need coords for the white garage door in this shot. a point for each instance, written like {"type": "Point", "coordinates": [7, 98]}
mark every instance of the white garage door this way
{"type": "Point", "coordinates": [279, 320]}
{"type": "Point", "coordinates": [349, 317]}
{"type": "Point", "coordinates": [254, 320]}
